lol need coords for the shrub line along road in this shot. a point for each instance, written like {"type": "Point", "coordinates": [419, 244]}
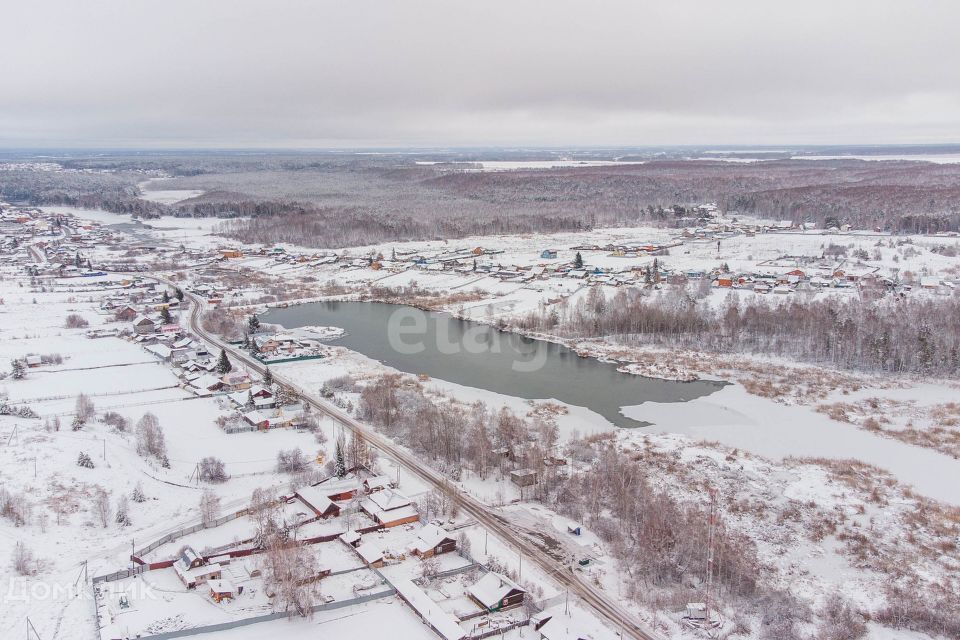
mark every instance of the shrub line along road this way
{"type": "Point", "coordinates": [500, 525]}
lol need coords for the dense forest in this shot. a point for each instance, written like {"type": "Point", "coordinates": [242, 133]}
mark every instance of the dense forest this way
{"type": "Point", "coordinates": [335, 200]}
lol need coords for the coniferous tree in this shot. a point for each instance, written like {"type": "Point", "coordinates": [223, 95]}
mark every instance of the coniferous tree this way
{"type": "Point", "coordinates": [165, 316]}
{"type": "Point", "coordinates": [223, 363]}
{"type": "Point", "coordinates": [166, 296]}
{"type": "Point", "coordinates": [17, 370]}
{"type": "Point", "coordinates": [341, 465]}
{"type": "Point", "coordinates": [578, 261]}
{"type": "Point", "coordinates": [178, 294]}
{"type": "Point", "coordinates": [254, 323]}
{"type": "Point", "coordinates": [267, 377]}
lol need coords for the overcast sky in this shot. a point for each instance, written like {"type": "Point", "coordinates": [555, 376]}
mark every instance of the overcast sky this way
{"type": "Point", "coordinates": [312, 73]}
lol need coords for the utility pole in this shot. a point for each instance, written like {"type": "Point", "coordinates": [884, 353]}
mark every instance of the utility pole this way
{"type": "Point", "coordinates": [520, 571]}
{"type": "Point", "coordinates": [711, 544]}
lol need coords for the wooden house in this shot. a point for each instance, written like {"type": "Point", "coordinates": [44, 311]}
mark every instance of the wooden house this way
{"type": "Point", "coordinates": [316, 499]}
{"type": "Point", "coordinates": [389, 508]}
{"type": "Point", "coordinates": [496, 592]}
{"type": "Point", "coordinates": [143, 325]}
{"type": "Point", "coordinates": [432, 541]}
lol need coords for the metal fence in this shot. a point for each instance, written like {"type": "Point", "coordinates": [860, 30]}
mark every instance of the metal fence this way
{"type": "Point", "coordinates": [120, 575]}
{"type": "Point", "coordinates": [499, 630]}
{"type": "Point", "coordinates": [233, 624]}
{"type": "Point", "coordinates": [179, 533]}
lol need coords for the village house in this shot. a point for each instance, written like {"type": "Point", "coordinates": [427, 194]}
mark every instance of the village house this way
{"type": "Point", "coordinates": [376, 483]}
{"type": "Point", "coordinates": [340, 489]}
{"type": "Point", "coordinates": [125, 313]}
{"type": "Point", "coordinates": [431, 541]}
{"type": "Point", "coordinates": [389, 508]}
{"type": "Point", "coordinates": [496, 592]}
{"type": "Point", "coordinates": [143, 325]}
{"type": "Point", "coordinates": [315, 498]}
{"type": "Point", "coordinates": [192, 570]}
{"type": "Point", "coordinates": [235, 381]}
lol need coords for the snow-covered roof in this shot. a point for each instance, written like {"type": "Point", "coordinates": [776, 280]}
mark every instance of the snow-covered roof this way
{"type": "Point", "coordinates": [492, 588]}
{"type": "Point", "coordinates": [393, 515]}
{"type": "Point", "coordinates": [221, 586]}
{"type": "Point", "coordinates": [445, 624]}
{"type": "Point", "coordinates": [389, 499]}
{"type": "Point", "coordinates": [350, 536]}
{"type": "Point", "coordinates": [259, 417]}
{"type": "Point", "coordinates": [206, 381]}
{"type": "Point", "coordinates": [315, 497]}
{"type": "Point", "coordinates": [429, 537]}
{"type": "Point", "coordinates": [573, 625]}
{"type": "Point", "coordinates": [160, 350]}
{"type": "Point", "coordinates": [370, 552]}
{"type": "Point", "coordinates": [377, 482]}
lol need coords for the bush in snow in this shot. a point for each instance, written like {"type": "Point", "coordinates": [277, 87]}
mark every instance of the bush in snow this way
{"type": "Point", "coordinates": [115, 420]}
{"type": "Point", "coordinates": [138, 495]}
{"type": "Point", "coordinates": [21, 412]}
{"type": "Point", "coordinates": [212, 470]}
{"type": "Point", "coordinates": [76, 424]}
{"type": "Point", "coordinates": [84, 460]}
{"type": "Point", "coordinates": [76, 321]}
{"type": "Point", "coordinates": [15, 507]}
{"type": "Point", "coordinates": [23, 561]}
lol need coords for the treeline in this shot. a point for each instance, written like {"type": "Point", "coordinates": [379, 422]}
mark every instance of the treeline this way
{"type": "Point", "coordinates": [337, 200]}
{"type": "Point", "coordinates": [913, 335]}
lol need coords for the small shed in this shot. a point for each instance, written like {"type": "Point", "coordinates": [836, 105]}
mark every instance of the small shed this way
{"type": "Point", "coordinates": [696, 611]}
{"type": "Point", "coordinates": [523, 477]}
{"type": "Point", "coordinates": [221, 590]}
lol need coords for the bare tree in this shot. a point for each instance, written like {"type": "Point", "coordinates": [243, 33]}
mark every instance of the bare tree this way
{"type": "Point", "coordinates": [290, 573]}
{"type": "Point", "coordinates": [100, 507]}
{"type": "Point", "coordinates": [84, 408]}
{"type": "Point", "coordinates": [150, 438]}
{"type": "Point", "coordinates": [209, 507]}
{"type": "Point", "coordinates": [291, 461]}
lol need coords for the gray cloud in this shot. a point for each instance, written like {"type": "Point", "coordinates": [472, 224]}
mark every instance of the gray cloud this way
{"type": "Point", "coordinates": [440, 72]}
